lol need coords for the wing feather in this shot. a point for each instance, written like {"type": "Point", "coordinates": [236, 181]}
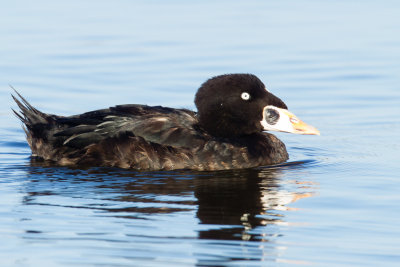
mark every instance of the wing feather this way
{"type": "Point", "coordinates": [164, 126]}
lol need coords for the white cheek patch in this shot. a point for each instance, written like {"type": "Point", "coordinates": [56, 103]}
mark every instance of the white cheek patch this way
{"type": "Point", "coordinates": [283, 124]}
{"type": "Point", "coordinates": [266, 89]}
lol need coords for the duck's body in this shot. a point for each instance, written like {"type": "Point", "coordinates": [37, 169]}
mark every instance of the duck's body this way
{"type": "Point", "coordinates": [153, 138]}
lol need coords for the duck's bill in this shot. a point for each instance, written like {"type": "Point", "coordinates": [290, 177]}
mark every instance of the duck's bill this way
{"type": "Point", "coordinates": [282, 120]}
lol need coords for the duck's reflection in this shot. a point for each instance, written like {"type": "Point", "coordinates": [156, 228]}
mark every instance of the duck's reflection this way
{"type": "Point", "coordinates": [238, 205]}
{"type": "Point", "coordinates": [242, 200]}
{"type": "Point", "coordinates": [232, 203]}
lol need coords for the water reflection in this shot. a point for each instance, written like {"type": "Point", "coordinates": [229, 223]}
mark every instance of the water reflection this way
{"type": "Point", "coordinates": [219, 207]}
{"type": "Point", "coordinates": [243, 200]}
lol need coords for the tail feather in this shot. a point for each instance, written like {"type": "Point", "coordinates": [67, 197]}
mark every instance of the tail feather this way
{"type": "Point", "coordinates": [28, 114]}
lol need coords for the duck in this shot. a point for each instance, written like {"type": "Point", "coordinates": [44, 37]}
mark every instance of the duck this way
{"type": "Point", "coordinates": [230, 130]}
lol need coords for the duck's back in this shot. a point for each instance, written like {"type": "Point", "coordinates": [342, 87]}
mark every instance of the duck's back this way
{"type": "Point", "coordinates": [135, 136]}
{"type": "Point", "coordinates": [144, 138]}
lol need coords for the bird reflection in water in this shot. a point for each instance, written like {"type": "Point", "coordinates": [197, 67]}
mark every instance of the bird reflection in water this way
{"type": "Point", "coordinates": [240, 205]}
{"type": "Point", "coordinates": [236, 202]}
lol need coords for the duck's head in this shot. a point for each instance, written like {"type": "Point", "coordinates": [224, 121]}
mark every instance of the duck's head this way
{"type": "Point", "coordinates": [239, 104]}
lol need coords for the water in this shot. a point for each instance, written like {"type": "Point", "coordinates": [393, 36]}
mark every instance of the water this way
{"type": "Point", "coordinates": [335, 203]}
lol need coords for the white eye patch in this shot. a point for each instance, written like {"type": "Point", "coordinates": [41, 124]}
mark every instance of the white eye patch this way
{"type": "Point", "coordinates": [245, 96]}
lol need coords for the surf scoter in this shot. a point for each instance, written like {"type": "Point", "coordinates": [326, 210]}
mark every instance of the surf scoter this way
{"type": "Point", "coordinates": [227, 132]}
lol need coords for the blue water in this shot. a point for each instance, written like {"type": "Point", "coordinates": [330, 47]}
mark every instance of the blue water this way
{"type": "Point", "coordinates": [336, 64]}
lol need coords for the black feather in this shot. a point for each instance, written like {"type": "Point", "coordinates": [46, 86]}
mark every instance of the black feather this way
{"type": "Point", "coordinates": [159, 138]}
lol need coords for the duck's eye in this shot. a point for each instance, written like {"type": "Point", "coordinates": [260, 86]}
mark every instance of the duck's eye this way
{"type": "Point", "coordinates": [271, 116]}
{"type": "Point", "coordinates": [245, 96]}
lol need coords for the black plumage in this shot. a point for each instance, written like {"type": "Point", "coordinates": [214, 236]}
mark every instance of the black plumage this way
{"type": "Point", "coordinates": [225, 133]}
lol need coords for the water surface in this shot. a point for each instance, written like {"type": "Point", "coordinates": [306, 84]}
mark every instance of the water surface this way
{"type": "Point", "coordinates": [334, 203]}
